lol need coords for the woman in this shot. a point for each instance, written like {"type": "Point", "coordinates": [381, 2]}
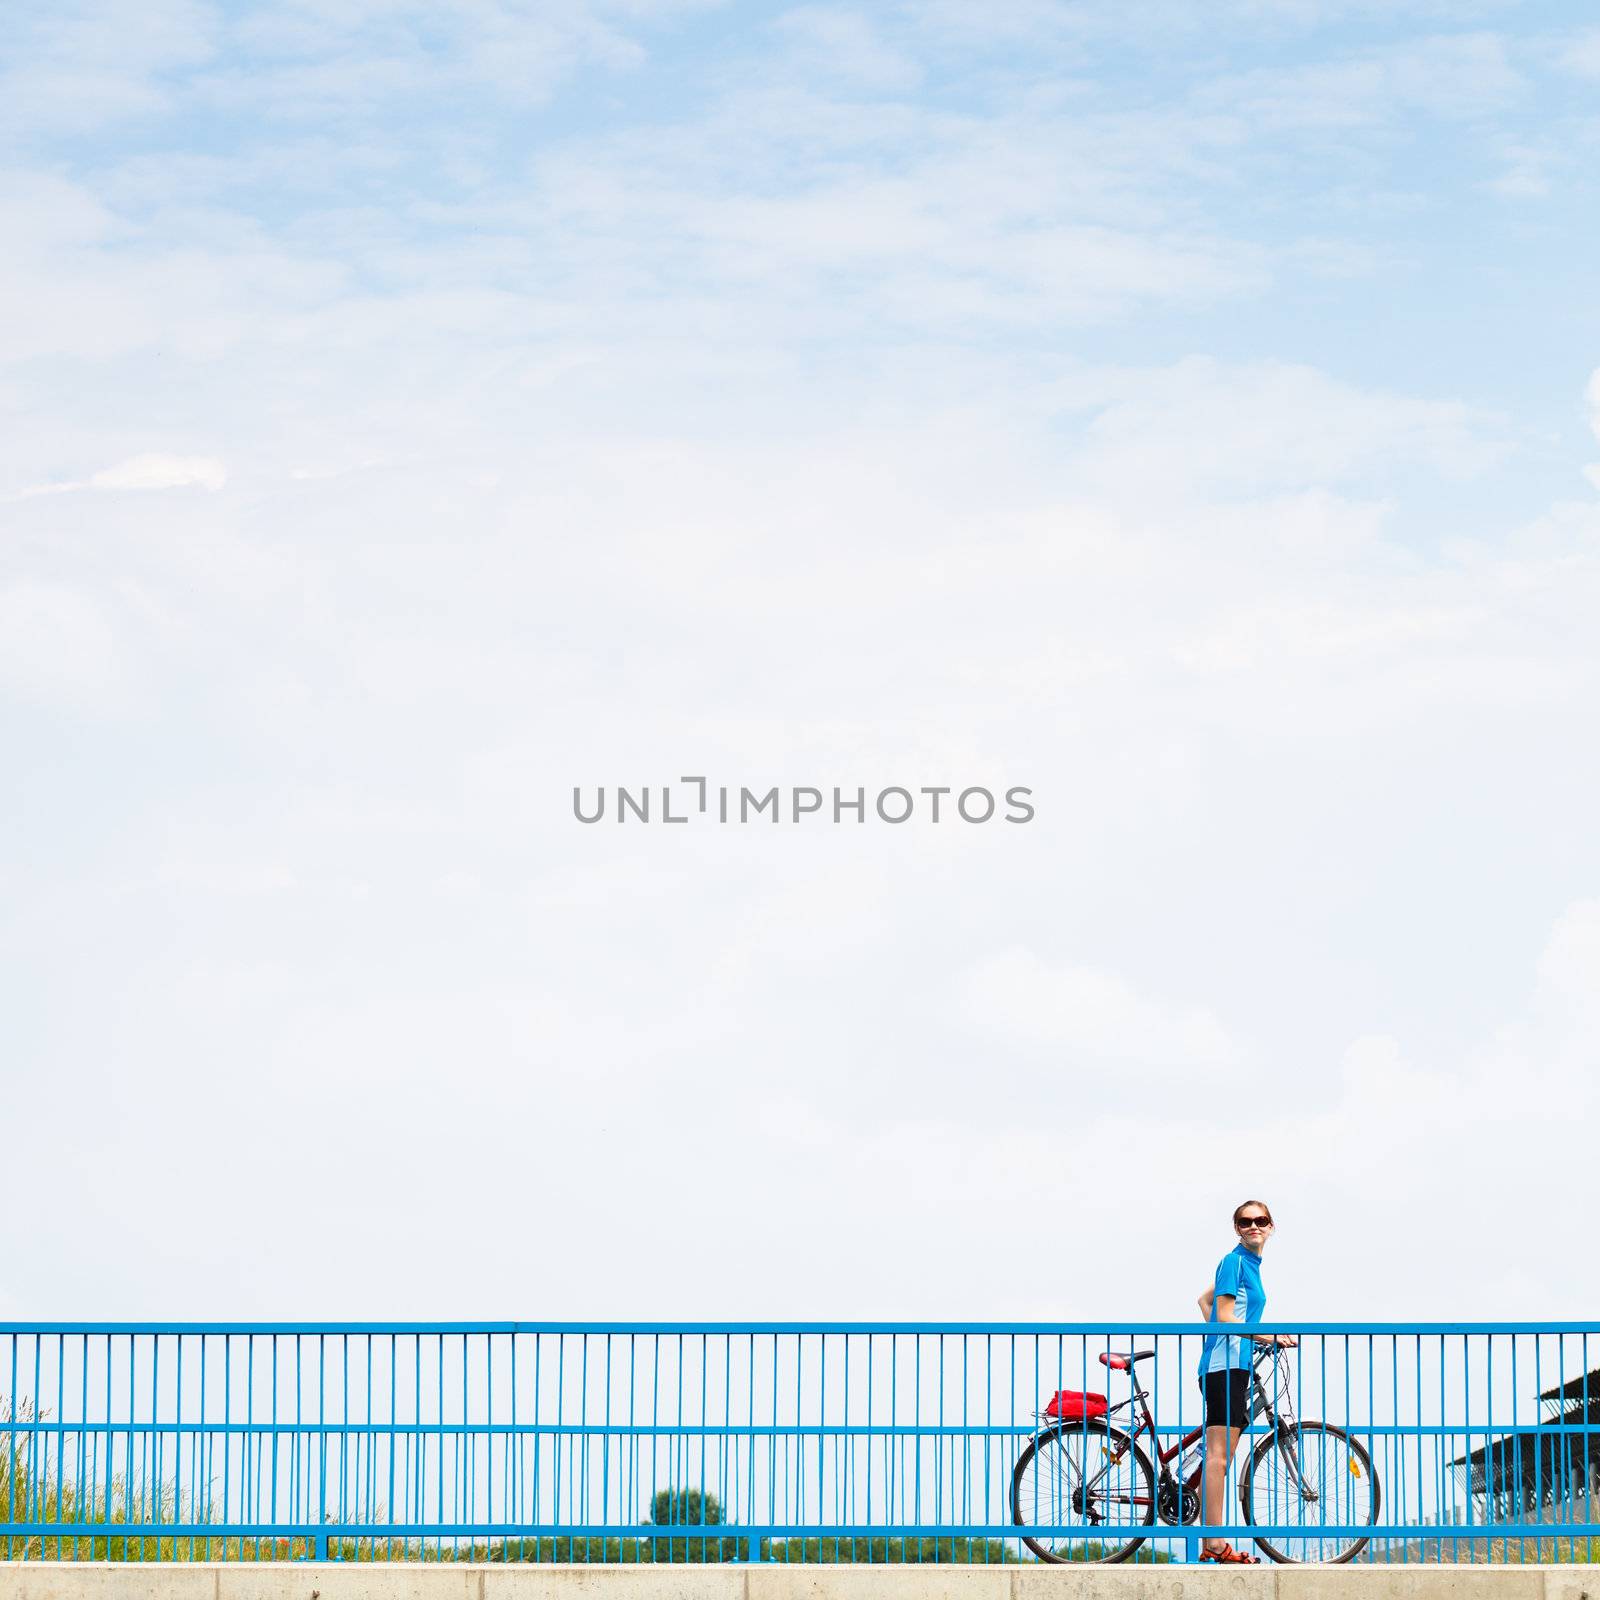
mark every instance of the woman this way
{"type": "Point", "coordinates": [1235, 1295]}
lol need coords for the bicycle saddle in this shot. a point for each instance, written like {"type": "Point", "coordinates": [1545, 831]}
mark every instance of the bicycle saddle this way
{"type": "Point", "coordinates": [1123, 1363]}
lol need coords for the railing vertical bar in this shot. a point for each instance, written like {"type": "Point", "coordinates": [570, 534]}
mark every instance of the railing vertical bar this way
{"type": "Point", "coordinates": [1495, 1476]}
{"type": "Point", "coordinates": [705, 1354]}
{"type": "Point", "coordinates": [727, 1481]}
{"type": "Point", "coordinates": [245, 1465]}
{"type": "Point", "coordinates": [752, 1547]}
{"type": "Point", "coordinates": [83, 1488]}
{"type": "Point", "coordinates": [420, 1492]}
{"type": "Point", "coordinates": [916, 1438]}
{"type": "Point", "coordinates": [132, 1477]}
{"type": "Point", "coordinates": [11, 1440]}
{"type": "Point", "coordinates": [61, 1434]}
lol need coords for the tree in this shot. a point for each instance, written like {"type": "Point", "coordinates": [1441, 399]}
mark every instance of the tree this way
{"type": "Point", "coordinates": [672, 1508]}
{"type": "Point", "coordinates": [687, 1509]}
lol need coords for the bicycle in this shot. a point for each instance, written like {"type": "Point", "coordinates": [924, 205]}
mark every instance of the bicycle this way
{"type": "Point", "coordinates": [1082, 1485]}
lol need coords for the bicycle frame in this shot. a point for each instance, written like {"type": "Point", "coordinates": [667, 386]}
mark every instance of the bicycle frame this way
{"type": "Point", "coordinates": [1261, 1405]}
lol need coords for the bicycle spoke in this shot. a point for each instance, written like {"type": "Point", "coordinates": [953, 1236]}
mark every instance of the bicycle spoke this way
{"type": "Point", "coordinates": [1317, 1480]}
{"type": "Point", "coordinates": [1083, 1496]}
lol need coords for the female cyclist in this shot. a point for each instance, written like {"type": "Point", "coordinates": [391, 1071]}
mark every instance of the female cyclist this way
{"type": "Point", "coordinates": [1235, 1295]}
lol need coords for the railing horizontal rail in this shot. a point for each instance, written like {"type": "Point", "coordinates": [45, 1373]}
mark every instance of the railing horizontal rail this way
{"type": "Point", "coordinates": [1113, 1330]}
{"type": "Point", "coordinates": [702, 1533]}
{"type": "Point", "coordinates": [710, 1430]}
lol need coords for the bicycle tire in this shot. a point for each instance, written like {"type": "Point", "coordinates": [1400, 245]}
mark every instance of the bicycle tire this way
{"type": "Point", "coordinates": [1295, 1436]}
{"type": "Point", "coordinates": [1052, 1447]}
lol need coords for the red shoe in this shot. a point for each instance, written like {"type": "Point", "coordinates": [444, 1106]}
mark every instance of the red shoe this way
{"type": "Point", "coordinates": [1228, 1556]}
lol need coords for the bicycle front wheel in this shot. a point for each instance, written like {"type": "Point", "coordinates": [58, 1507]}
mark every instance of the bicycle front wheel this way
{"type": "Point", "coordinates": [1314, 1477]}
{"type": "Point", "coordinates": [1080, 1491]}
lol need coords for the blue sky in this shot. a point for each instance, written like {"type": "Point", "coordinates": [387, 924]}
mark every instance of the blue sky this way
{"type": "Point", "coordinates": [411, 412]}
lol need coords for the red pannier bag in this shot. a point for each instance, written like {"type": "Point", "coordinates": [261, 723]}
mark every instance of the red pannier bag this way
{"type": "Point", "coordinates": [1071, 1406]}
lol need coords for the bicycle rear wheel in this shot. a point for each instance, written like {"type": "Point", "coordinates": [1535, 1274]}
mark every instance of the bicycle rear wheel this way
{"type": "Point", "coordinates": [1311, 1476]}
{"type": "Point", "coordinates": [1080, 1491]}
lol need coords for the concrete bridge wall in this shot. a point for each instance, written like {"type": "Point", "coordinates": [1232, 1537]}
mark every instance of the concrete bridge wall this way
{"type": "Point", "coordinates": [319, 1581]}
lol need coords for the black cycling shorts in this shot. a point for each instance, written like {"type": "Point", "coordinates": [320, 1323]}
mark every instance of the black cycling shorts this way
{"type": "Point", "coordinates": [1227, 1398]}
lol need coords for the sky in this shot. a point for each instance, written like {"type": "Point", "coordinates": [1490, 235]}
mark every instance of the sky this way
{"type": "Point", "coordinates": [410, 414]}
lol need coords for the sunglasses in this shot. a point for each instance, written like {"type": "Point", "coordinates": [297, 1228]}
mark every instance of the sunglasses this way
{"type": "Point", "coordinates": [1253, 1222]}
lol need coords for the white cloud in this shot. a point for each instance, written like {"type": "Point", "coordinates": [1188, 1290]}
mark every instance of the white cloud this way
{"type": "Point", "coordinates": [88, 63]}
{"type": "Point", "coordinates": [1320, 1138]}
{"type": "Point", "coordinates": [1591, 395]}
{"type": "Point", "coordinates": [1458, 76]}
{"type": "Point", "coordinates": [895, 218]}
{"type": "Point", "coordinates": [1527, 174]}
{"type": "Point", "coordinates": [837, 39]}
{"type": "Point", "coordinates": [1581, 54]}
{"type": "Point", "coordinates": [162, 472]}
{"type": "Point", "coordinates": [84, 63]}
{"type": "Point", "coordinates": [1274, 632]}
{"type": "Point", "coordinates": [1265, 426]}
{"type": "Point", "coordinates": [1569, 969]}
{"type": "Point", "coordinates": [140, 473]}
{"type": "Point", "coordinates": [1064, 24]}
{"type": "Point", "coordinates": [1092, 1017]}
{"type": "Point", "coordinates": [56, 645]}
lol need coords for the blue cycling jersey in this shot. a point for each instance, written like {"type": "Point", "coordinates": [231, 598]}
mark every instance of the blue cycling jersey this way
{"type": "Point", "coordinates": [1238, 1274]}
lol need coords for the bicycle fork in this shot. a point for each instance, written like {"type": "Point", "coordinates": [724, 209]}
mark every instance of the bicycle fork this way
{"type": "Point", "coordinates": [1286, 1449]}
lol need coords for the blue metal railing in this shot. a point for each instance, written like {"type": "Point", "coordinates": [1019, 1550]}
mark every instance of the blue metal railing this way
{"type": "Point", "coordinates": [783, 1441]}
